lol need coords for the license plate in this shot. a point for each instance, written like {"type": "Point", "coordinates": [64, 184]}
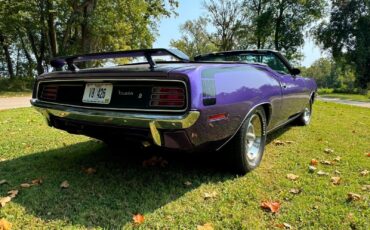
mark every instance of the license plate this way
{"type": "Point", "coordinates": [98, 93]}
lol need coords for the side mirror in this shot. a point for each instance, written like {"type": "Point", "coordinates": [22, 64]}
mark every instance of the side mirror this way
{"type": "Point", "coordinates": [295, 71]}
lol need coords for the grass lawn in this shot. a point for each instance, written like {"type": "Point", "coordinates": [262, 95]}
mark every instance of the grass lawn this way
{"type": "Point", "coordinates": [352, 97]}
{"type": "Point", "coordinates": [15, 94]}
{"type": "Point", "coordinates": [122, 187]}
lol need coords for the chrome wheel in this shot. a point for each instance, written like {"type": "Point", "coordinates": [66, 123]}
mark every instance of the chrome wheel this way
{"type": "Point", "coordinates": [306, 115]}
{"type": "Point", "coordinates": [253, 138]}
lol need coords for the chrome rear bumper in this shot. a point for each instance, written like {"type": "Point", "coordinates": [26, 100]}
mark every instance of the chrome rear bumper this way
{"type": "Point", "coordinates": [154, 122]}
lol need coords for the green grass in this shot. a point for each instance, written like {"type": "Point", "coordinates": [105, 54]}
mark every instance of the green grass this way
{"type": "Point", "coordinates": [122, 187]}
{"type": "Point", "coordinates": [352, 97]}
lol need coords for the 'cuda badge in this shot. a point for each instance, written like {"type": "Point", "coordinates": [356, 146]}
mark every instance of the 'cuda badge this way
{"type": "Point", "coordinates": [125, 93]}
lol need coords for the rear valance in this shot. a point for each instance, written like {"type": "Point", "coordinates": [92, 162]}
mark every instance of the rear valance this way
{"type": "Point", "coordinates": [147, 53]}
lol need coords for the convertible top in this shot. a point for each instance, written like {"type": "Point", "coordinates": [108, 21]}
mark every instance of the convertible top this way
{"type": "Point", "coordinates": [147, 53]}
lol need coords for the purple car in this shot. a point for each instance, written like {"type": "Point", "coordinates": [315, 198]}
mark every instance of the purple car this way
{"type": "Point", "coordinates": [227, 100]}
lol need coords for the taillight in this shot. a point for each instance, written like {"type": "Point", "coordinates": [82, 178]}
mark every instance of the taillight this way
{"type": "Point", "coordinates": [167, 97]}
{"type": "Point", "coordinates": [49, 92]}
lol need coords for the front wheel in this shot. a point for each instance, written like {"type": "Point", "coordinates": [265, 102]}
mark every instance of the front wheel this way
{"type": "Point", "coordinates": [248, 145]}
{"type": "Point", "coordinates": [305, 117]}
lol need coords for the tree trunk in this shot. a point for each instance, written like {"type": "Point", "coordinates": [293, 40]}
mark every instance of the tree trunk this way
{"type": "Point", "coordinates": [88, 9]}
{"type": "Point", "coordinates": [8, 59]}
{"type": "Point", "coordinates": [279, 20]}
{"type": "Point", "coordinates": [51, 29]}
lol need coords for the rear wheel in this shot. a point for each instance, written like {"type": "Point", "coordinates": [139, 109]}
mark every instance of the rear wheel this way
{"type": "Point", "coordinates": [248, 145]}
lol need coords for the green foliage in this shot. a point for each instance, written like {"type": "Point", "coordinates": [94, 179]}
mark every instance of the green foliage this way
{"type": "Point", "coordinates": [34, 31]}
{"type": "Point", "coordinates": [195, 39]}
{"type": "Point", "coordinates": [346, 36]}
{"type": "Point", "coordinates": [16, 84]}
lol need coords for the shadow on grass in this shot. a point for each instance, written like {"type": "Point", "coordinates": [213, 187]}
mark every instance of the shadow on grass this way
{"type": "Point", "coordinates": [120, 188]}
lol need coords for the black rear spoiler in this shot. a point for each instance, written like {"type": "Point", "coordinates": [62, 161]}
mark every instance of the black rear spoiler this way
{"type": "Point", "coordinates": [59, 62]}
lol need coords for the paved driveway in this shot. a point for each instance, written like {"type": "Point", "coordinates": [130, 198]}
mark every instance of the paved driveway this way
{"type": "Point", "coordinates": [14, 102]}
{"type": "Point", "coordinates": [347, 102]}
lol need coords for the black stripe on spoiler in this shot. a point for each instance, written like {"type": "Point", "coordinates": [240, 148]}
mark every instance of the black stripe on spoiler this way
{"type": "Point", "coordinates": [147, 53]}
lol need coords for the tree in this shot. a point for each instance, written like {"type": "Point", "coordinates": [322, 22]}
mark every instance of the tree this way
{"type": "Point", "coordinates": [195, 39]}
{"type": "Point", "coordinates": [346, 35]}
{"type": "Point", "coordinates": [227, 17]}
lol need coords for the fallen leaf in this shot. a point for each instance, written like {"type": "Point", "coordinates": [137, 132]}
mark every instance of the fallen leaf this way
{"type": "Point", "coordinates": [187, 183]}
{"type": "Point", "coordinates": [13, 193]}
{"type": "Point", "coordinates": [353, 196]}
{"type": "Point", "coordinates": [335, 180]}
{"type": "Point", "coordinates": [64, 184]}
{"type": "Point", "coordinates": [291, 176]}
{"type": "Point", "coordinates": [337, 159]}
{"type": "Point", "coordinates": [25, 185]}
{"type": "Point", "coordinates": [289, 142]}
{"type": "Point", "coordinates": [154, 161]}
{"type": "Point", "coordinates": [311, 169]}
{"type": "Point", "coordinates": [5, 225]}
{"type": "Point", "coordinates": [3, 182]}
{"type": "Point", "coordinates": [366, 187]}
{"type": "Point", "coordinates": [5, 200]}
{"type": "Point", "coordinates": [287, 226]}
{"type": "Point", "coordinates": [368, 154]}
{"type": "Point", "coordinates": [322, 173]}
{"type": "Point", "coordinates": [327, 150]}
{"type": "Point", "coordinates": [37, 182]}
{"type": "Point", "coordinates": [272, 206]}
{"type": "Point", "coordinates": [326, 162]}
{"type": "Point", "coordinates": [206, 226]}
{"type": "Point", "coordinates": [364, 172]}
{"type": "Point", "coordinates": [314, 162]}
{"type": "Point", "coordinates": [138, 219]}
{"type": "Point", "coordinates": [295, 191]}
{"type": "Point", "coordinates": [89, 171]}
{"type": "Point", "coordinates": [278, 143]}
{"type": "Point", "coordinates": [208, 195]}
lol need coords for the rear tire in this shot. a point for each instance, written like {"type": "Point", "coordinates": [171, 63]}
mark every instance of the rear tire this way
{"type": "Point", "coordinates": [246, 148]}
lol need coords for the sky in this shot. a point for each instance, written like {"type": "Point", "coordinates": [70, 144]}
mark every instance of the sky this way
{"type": "Point", "coordinates": [169, 28]}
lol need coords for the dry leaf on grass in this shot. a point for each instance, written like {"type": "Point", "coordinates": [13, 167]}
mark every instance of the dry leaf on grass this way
{"type": "Point", "coordinates": [206, 226]}
{"type": "Point", "coordinates": [295, 191]}
{"type": "Point", "coordinates": [278, 143]}
{"type": "Point", "coordinates": [311, 169]}
{"type": "Point", "coordinates": [337, 159]}
{"type": "Point", "coordinates": [5, 225]}
{"type": "Point", "coordinates": [187, 183]}
{"type": "Point", "coordinates": [366, 187]}
{"type": "Point", "coordinates": [37, 182]}
{"type": "Point", "coordinates": [3, 182]}
{"type": "Point", "coordinates": [208, 195]}
{"type": "Point", "coordinates": [272, 206]}
{"type": "Point", "coordinates": [5, 200]}
{"type": "Point", "coordinates": [337, 172]}
{"type": "Point", "coordinates": [154, 161]}
{"type": "Point", "coordinates": [326, 162]}
{"type": "Point", "coordinates": [368, 154]}
{"type": "Point", "coordinates": [13, 193]}
{"type": "Point", "coordinates": [89, 171]}
{"type": "Point", "coordinates": [291, 176]}
{"type": "Point", "coordinates": [327, 150]}
{"type": "Point", "coordinates": [335, 180]}
{"type": "Point", "coordinates": [138, 219]}
{"type": "Point", "coordinates": [25, 185]}
{"type": "Point", "coordinates": [314, 162]}
{"type": "Point", "coordinates": [284, 226]}
{"type": "Point", "coordinates": [322, 173]}
{"type": "Point", "coordinates": [289, 142]}
{"type": "Point", "coordinates": [64, 184]}
{"type": "Point", "coordinates": [364, 172]}
{"type": "Point", "coordinates": [353, 196]}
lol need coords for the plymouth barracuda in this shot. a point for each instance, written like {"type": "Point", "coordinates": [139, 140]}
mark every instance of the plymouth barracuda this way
{"type": "Point", "coordinates": [227, 100]}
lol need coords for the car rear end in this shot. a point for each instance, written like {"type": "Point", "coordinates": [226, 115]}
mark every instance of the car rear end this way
{"type": "Point", "coordinates": [118, 104]}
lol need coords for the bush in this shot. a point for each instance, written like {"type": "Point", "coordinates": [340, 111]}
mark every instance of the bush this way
{"type": "Point", "coordinates": [16, 84]}
{"type": "Point", "coordinates": [325, 91]}
{"type": "Point", "coordinates": [346, 90]}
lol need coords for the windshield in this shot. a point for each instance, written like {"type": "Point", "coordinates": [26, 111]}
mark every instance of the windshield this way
{"type": "Point", "coordinates": [265, 58]}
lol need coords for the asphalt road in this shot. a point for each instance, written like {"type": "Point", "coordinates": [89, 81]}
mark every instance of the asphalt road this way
{"type": "Point", "coordinates": [20, 102]}
{"type": "Point", "coordinates": [14, 102]}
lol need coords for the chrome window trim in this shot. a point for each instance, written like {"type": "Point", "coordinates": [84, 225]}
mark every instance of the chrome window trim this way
{"type": "Point", "coordinates": [99, 80]}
